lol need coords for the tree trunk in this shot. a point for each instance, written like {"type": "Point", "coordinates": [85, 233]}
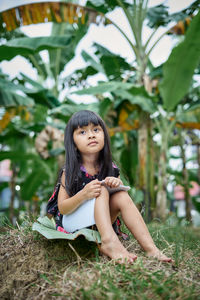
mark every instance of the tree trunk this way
{"type": "Point", "coordinates": [186, 186]}
{"type": "Point", "coordinates": [165, 126]}
{"type": "Point", "coordinates": [161, 200]}
{"type": "Point", "coordinates": [151, 172]}
{"type": "Point", "coordinates": [142, 153]}
{"type": "Point", "coordinates": [13, 194]}
{"type": "Point", "coordinates": [198, 161]}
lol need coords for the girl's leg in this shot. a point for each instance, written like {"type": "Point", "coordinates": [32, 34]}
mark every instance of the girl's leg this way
{"type": "Point", "coordinates": [121, 202]}
{"type": "Point", "coordinates": [110, 244]}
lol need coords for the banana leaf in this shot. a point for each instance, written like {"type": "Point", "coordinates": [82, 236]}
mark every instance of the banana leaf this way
{"type": "Point", "coordinates": [10, 99]}
{"type": "Point", "coordinates": [47, 228]}
{"type": "Point", "coordinates": [114, 65]}
{"type": "Point", "coordinates": [61, 56]}
{"type": "Point", "coordinates": [40, 94]}
{"type": "Point", "coordinates": [104, 87]}
{"type": "Point", "coordinates": [144, 101]}
{"type": "Point", "coordinates": [10, 94]}
{"type": "Point", "coordinates": [26, 46]}
{"type": "Point", "coordinates": [104, 6]}
{"type": "Point", "coordinates": [89, 59]}
{"type": "Point", "coordinates": [179, 68]}
{"type": "Point", "coordinates": [158, 16]}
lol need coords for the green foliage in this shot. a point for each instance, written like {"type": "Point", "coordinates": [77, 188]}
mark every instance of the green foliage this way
{"type": "Point", "coordinates": [196, 203]}
{"type": "Point", "coordinates": [104, 87]}
{"type": "Point", "coordinates": [103, 6]}
{"type": "Point", "coordinates": [114, 65]}
{"type": "Point", "coordinates": [60, 56]}
{"type": "Point", "coordinates": [104, 107]}
{"type": "Point", "coordinates": [179, 68]}
{"type": "Point", "coordinates": [157, 16]}
{"type": "Point", "coordinates": [137, 95]}
{"type": "Point", "coordinates": [119, 91]}
{"type": "Point", "coordinates": [65, 111]}
{"type": "Point", "coordinates": [34, 171]}
{"type": "Point", "coordinates": [79, 77]}
{"type": "Point", "coordinates": [93, 63]}
{"type": "Point", "coordinates": [129, 159]}
{"type": "Point", "coordinates": [192, 114]}
{"type": "Point", "coordinates": [26, 46]}
{"type": "Point", "coordinates": [16, 94]}
{"type": "Point", "coordinates": [10, 98]}
{"type": "Point", "coordinates": [47, 228]}
{"type": "Point", "coordinates": [125, 91]}
{"type": "Point", "coordinates": [40, 94]}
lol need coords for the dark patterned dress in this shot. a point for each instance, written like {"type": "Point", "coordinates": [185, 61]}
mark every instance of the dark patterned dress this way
{"type": "Point", "coordinates": [52, 206]}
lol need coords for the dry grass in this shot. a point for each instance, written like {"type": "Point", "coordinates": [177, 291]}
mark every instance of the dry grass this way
{"type": "Point", "coordinates": [35, 268]}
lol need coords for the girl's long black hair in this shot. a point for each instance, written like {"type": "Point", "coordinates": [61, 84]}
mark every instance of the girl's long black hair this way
{"type": "Point", "coordinates": [73, 157]}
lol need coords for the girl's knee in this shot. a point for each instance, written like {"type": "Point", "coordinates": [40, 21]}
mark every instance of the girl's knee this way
{"type": "Point", "coordinates": [104, 192]}
{"type": "Point", "coordinates": [121, 195]}
{"type": "Point", "coordinates": [121, 199]}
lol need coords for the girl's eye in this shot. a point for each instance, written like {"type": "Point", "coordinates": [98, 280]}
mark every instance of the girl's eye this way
{"type": "Point", "coordinates": [82, 132]}
{"type": "Point", "coordinates": [96, 129]}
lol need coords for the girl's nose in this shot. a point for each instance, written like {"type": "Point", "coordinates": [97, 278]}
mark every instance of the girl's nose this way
{"type": "Point", "coordinates": [91, 134]}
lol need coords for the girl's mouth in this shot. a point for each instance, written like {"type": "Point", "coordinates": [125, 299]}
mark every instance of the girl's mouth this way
{"type": "Point", "coordinates": [92, 143]}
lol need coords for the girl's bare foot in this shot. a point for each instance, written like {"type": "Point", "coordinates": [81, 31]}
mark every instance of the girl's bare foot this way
{"type": "Point", "coordinates": [115, 250]}
{"type": "Point", "coordinates": [156, 253]}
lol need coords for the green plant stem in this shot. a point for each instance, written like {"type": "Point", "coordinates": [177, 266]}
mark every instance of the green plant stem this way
{"type": "Point", "coordinates": [149, 39]}
{"type": "Point", "coordinates": [156, 42]}
{"type": "Point", "coordinates": [37, 66]}
{"type": "Point", "coordinates": [130, 20]}
{"type": "Point", "coordinates": [135, 50]}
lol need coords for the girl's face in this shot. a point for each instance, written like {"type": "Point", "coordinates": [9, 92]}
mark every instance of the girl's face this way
{"type": "Point", "coordinates": [89, 139]}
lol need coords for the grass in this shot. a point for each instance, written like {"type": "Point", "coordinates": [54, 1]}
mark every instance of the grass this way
{"type": "Point", "coordinates": [36, 268]}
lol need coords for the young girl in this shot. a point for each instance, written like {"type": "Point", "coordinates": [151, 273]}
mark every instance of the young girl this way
{"type": "Point", "coordinates": [84, 200]}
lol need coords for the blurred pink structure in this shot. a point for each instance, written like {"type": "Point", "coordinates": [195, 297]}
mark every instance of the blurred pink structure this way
{"type": "Point", "coordinates": [5, 168]}
{"type": "Point", "coordinates": [179, 191]}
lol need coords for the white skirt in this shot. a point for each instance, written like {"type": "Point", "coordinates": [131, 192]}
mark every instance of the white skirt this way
{"type": "Point", "coordinates": [82, 217]}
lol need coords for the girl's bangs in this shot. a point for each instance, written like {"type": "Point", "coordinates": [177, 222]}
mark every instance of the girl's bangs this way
{"type": "Point", "coordinates": [84, 119]}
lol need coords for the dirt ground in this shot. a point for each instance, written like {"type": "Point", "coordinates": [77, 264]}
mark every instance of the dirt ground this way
{"type": "Point", "coordinates": [34, 268]}
{"type": "Point", "coordinates": [26, 258]}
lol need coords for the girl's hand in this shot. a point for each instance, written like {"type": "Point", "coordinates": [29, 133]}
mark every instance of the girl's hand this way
{"type": "Point", "coordinates": [92, 189]}
{"type": "Point", "coordinates": [112, 182]}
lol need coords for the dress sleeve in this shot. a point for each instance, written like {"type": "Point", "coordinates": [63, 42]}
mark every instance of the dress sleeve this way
{"type": "Point", "coordinates": [116, 170]}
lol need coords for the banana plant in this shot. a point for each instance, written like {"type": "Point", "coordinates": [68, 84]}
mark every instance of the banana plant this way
{"type": "Point", "coordinates": [136, 13]}
{"type": "Point", "coordinates": [177, 77]}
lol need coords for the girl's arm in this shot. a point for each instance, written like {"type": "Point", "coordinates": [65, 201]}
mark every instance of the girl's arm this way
{"type": "Point", "coordinates": [67, 204]}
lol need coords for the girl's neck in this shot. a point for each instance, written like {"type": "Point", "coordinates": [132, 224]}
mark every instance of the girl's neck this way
{"type": "Point", "coordinates": [91, 164]}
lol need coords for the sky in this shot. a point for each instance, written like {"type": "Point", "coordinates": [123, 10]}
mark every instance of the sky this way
{"type": "Point", "coordinates": [109, 37]}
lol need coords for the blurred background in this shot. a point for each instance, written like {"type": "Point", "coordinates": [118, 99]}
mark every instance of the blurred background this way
{"type": "Point", "coordinates": [137, 64]}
